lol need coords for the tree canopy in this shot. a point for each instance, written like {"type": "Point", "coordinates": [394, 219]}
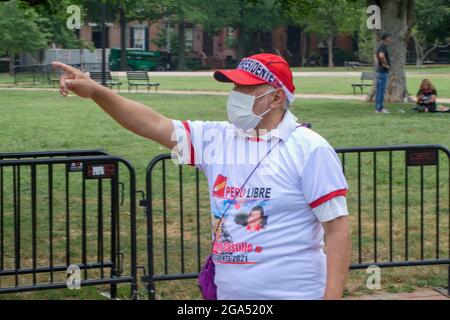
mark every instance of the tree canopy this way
{"type": "Point", "coordinates": [20, 25]}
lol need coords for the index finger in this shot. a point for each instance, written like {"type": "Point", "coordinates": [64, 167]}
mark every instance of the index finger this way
{"type": "Point", "coordinates": [64, 67]}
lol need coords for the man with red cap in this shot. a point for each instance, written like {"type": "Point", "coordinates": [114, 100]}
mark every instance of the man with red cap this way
{"type": "Point", "coordinates": [260, 158]}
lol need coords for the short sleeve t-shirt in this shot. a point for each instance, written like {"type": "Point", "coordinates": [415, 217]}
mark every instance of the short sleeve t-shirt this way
{"type": "Point", "coordinates": [427, 93]}
{"type": "Point", "coordinates": [382, 48]}
{"type": "Point", "coordinates": [269, 244]}
{"type": "Point", "coordinates": [424, 97]}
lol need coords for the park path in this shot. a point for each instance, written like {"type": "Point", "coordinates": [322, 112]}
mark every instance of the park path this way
{"type": "Point", "coordinates": [305, 96]}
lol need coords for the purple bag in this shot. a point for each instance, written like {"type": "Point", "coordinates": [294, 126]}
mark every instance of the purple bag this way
{"type": "Point", "coordinates": [205, 280]}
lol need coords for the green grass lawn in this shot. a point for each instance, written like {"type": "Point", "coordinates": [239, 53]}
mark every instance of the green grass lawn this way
{"type": "Point", "coordinates": [309, 85]}
{"type": "Point", "coordinates": [409, 68]}
{"type": "Point", "coordinates": [306, 85]}
{"type": "Point", "coordinates": [46, 121]}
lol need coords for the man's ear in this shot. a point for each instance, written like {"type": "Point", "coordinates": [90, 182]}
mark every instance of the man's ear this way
{"type": "Point", "coordinates": [279, 98]}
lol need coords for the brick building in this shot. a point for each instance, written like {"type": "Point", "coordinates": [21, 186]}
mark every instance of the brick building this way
{"type": "Point", "coordinates": [289, 41]}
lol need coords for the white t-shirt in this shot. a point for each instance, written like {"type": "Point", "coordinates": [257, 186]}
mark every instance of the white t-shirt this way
{"type": "Point", "coordinates": [269, 244]}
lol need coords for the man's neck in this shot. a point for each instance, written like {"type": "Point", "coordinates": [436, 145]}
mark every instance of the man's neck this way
{"type": "Point", "coordinates": [269, 123]}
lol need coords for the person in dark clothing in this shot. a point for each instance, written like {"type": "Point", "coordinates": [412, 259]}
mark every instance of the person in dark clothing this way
{"type": "Point", "coordinates": [426, 97]}
{"type": "Point", "coordinates": [382, 71]}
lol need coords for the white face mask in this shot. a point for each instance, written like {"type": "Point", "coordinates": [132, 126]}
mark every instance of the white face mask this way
{"type": "Point", "coordinates": [240, 110]}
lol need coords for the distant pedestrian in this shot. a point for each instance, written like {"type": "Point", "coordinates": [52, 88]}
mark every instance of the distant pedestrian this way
{"type": "Point", "coordinates": [382, 72]}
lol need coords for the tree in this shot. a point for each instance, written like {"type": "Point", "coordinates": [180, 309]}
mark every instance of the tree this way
{"type": "Point", "coordinates": [432, 28]}
{"type": "Point", "coordinates": [141, 10]}
{"type": "Point", "coordinates": [328, 19]}
{"type": "Point", "coordinates": [53, 22]}
{"type": "Point", "coordinates": [20, 32]}
{"type": "Point", "coordinates": [194, 11]}
{"type": "Point", "coordinates": [397, 18]}
{"type": "Point", "coordinates": [162, 40]}
{"type": "Point", "coordinates": [180, 11]}
{"type": "Point", "coordinates": [365, 43]}
{"type": "Point", "coordinates": [246, 17]}
{"type": "Point", "coordinates": [122, 11]}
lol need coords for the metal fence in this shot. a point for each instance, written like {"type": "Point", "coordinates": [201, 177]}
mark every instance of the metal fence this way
{"type": "Point", "coordinates": [399, 203]}
{"type": "Point", "coordinates": [66, 210]}
{"type": "Point", "coordinates": [44, 74]}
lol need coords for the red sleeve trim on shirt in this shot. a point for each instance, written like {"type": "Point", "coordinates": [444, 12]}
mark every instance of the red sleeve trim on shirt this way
{"type": "Point", "coordinates": [327, 197]}
{"type": "Point", "coordinates": [188, 130]}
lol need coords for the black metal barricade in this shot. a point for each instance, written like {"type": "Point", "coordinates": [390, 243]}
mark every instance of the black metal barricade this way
{"type": "Point", "coordinates": [399, 204]}
{"type": "Point", "coordinates": [62, 212]}
{"type": "Point", "coordinates": [44, 74]}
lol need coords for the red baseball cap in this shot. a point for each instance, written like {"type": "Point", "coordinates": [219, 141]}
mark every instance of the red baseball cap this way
{"type": "Point", "coordinates": [264, 68]}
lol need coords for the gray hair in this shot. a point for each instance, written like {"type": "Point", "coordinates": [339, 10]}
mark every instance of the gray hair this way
{"type": "Point", "coordinates": [287, 104]}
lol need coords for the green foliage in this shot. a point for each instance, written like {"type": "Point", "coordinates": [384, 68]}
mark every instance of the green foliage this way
{"type": "Point", "coordinates": [20, 28]}
{"type": "Point", "coordinates": [329, 17]}
{"type": "Point", "coordinates": [161, 39]}
{"type": "Point", "coordinates": [432, 29]}
{"type": "Point", "coordinates": [141, 10]}
{"type": "Point", "coordinates": [249, 16]}
{"type": "Point", "coordinates": [432, 20]}
{"type": "Point", "coordinates": [53, 22]}
{"type": "Point", "coordinates": [366, 40]}
{"type": "Point", "coordinates": [304, 7]}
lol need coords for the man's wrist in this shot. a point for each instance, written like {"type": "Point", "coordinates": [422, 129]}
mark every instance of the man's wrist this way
{"type": "Point", "coordinates": [98, 91]}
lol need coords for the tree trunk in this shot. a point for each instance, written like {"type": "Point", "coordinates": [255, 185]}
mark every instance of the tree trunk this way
{"type": "Point", "coordinates": [304, 44]}
{"type": "Point", "coordinates": [181, 44]}
{"type": "Point", "coordinates": [397, 18]}
{"type": "Point", "coordinates": [419, 52]}
{"type": "Point", "coordinates": [123, 39]}
{"type": "Point", "coordinates": [240, 49]}
{"type": "Point", "coordinates": [11, 63]}
{"type": "Point", "coordinates": [330, 52]}
{"type": "Point", "coordinates": [424, 55]}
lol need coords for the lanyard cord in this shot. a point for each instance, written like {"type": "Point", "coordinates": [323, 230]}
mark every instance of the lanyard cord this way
{"type": "Point", "coordinates": [234, 198]}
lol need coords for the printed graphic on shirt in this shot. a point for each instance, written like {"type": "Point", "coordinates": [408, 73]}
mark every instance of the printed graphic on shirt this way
{"type": "Point", "coordinates": [247, 216]}
{"type": "Point", "coordinates": [253, 221]}
{"type": "Point", "coordinates": [219, 186]}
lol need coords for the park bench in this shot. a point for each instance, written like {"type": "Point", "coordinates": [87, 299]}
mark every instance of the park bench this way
{"type": "Point", "coordinates": [53, 78]}
{"type": "Point", "coordinates": [351, 64]}
{"type": "Point", "coordinates": [140, 78]}
{"type": "Point", "coordinates": [355, 64]}
{"type": "Point", "coordinates": [110, 81]}
{"type": "Point", "coordinates": [365, 76]}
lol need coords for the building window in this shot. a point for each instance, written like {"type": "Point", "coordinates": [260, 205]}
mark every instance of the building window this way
{"type": "Point", "coordinates": [189, 34]}
{"type": "Point", "coordinates": [230, 42]}
{"type": "Point", "coordinates": [97, 37]}
{"type": "Point", "coordinates": [138, 37]}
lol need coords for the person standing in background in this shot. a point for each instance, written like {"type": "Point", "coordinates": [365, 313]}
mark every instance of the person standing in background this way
{"type": "Point", "coordinates": [382, 71]}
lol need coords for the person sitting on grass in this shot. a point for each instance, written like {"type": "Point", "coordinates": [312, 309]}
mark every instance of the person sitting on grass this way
{"type": "Point", "coordinates": [426, 99]}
